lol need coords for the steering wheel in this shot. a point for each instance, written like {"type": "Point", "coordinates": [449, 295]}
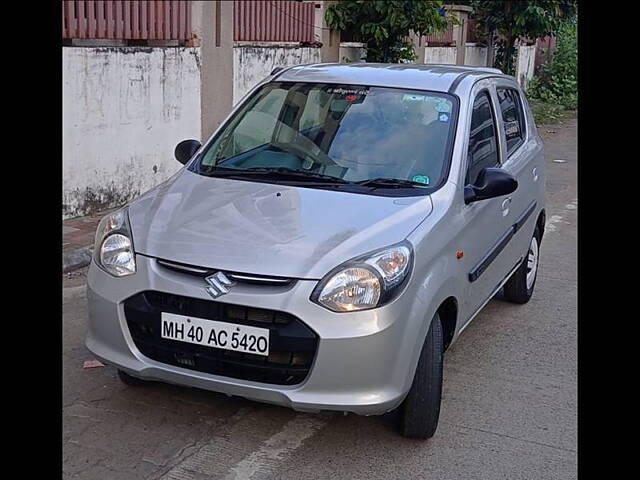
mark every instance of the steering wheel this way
{"type": "Point", "coordinates": [303, 150]}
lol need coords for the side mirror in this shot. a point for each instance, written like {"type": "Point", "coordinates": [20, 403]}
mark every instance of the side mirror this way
{"type": "Point", "coordinates": [491, 182]}
{"type": "Point", "coordinates": [185, 150]}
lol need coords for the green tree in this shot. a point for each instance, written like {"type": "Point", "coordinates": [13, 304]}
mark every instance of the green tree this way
{"type": "Point", "coordinates": [385, 25]}
{"type": "Point", "coordinates": [512, 19]}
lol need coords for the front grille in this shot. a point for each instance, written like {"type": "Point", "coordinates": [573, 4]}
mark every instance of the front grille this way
{"type": "Point", "coordinates": [203, 272]}
{"type": "Point", "coordinates": [292, 345]}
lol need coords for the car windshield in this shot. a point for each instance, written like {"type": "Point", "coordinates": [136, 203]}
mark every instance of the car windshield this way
{"type": "Point", "coordinates": [354, 134]}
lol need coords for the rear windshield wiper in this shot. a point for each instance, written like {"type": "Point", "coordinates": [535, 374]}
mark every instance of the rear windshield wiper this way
{"type": "Point", "coordinates": [279, 172]}
{"type": "Point", "coordinates": [390, 183]}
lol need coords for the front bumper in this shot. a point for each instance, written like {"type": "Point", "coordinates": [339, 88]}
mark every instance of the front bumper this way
{"type": "Point", "coordinates": [364, 361]}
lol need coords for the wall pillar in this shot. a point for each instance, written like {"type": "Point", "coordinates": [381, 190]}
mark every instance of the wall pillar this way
{"type": "Point", "coordinates": [419, 45]}
{"type": "Point", "coordinates": [491, 49]}
{"type": "Point", "coordinates": [216, 39]}
{"type": "Point", "coordinates": [525, 64]}
{"type": "Point", "coordinates": [330, 51]}
{"type": "Point", "coordinates": [461, 13]}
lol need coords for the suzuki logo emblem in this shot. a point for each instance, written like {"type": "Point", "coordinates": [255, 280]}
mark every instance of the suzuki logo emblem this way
{"type": "Point", "coordinates": [219, 284]}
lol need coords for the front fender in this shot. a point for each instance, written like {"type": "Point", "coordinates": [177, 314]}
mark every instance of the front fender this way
{"type": "Point", "coordinates": [437, 274]}
{"type": "Point", "coordinates": [430, 295]}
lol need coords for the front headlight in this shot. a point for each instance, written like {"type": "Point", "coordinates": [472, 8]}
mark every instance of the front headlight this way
{"type": "Point", "coordinates": [113, 250]}
{"type": "Point", "coordinates": [365, 282]}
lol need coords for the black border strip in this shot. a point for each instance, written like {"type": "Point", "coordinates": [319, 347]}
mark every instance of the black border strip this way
{"type": "Point", "coordinates": [522, 117]}
{"type": "Point", "coordinates": [457, 80]}
{"type": "Point", "coordinates": [483, 264]}
{"type": "Point", "coordinates": [277, 71]}
{"type": "Point", "coordinates": [462, 76]}
{"type": "Point", "coordinates": [496, 131]}
{"type": "Point", "coordinates": [479, 269]}
{"type": "Point", "coordinates": [523, 218]}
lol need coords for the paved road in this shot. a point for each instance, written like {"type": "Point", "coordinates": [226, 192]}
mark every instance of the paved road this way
{"type": "Point", "coordinates": [509, 408]}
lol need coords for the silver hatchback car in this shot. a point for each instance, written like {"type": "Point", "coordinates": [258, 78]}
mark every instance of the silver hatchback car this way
{"type": "Point", "coordinates": [329, 242]}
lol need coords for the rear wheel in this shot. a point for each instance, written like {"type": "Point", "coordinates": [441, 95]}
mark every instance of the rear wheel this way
{"type": "Point", "coordinates": [519, 287]}
{"type": "Point", "coordinates": [421, 408]}
{"type": "Point", "coordinates": [129, 380]}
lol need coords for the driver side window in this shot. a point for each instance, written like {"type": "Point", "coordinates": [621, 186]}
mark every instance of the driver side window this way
{"type": "Point", "coordinates": [482, 151]}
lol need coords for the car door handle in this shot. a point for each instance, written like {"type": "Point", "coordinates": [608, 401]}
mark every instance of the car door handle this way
{"type": "Point", "coordinates": [534, 172]}
{"type": "Point", "coordinates": [505, 206]}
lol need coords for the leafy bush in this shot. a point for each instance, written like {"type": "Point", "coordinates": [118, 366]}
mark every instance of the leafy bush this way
{"type": "Point", "coordinates": [558, 82]}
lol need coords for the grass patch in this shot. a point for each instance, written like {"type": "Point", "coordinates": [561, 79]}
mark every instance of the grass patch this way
{"type": "Point", "coordinates": [548, 113]}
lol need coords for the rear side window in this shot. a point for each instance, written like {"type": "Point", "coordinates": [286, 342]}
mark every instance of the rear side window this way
{"type": "Point", "coordinates": [512, 118]}
{"type": "Point", "coordinates": [483, 146]}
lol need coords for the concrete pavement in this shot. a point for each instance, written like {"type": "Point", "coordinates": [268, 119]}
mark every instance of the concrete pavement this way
{"type": "Point", "coordinates": [509, 404]}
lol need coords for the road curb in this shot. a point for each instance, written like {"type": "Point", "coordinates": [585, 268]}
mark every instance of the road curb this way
{"type": "Point", "coordinates": [76, 258]}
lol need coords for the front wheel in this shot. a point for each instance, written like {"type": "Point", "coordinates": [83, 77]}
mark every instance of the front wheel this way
{"type": "Point", "coordinates": [519, 287]}
{"type": "Point", "coordinates": [421, 408]}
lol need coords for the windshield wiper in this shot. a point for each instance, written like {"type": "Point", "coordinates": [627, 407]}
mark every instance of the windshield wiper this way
{"type": "Point", "coordinates": [278, 172]}
{"type": "Point", "coordinates": [390, 183]}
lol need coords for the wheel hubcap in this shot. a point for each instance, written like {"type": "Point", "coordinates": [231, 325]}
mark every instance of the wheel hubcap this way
{"type": "Point", "coordinates": [532, 262]}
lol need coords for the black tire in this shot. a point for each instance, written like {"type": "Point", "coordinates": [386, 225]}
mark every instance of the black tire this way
{"type": "Point", "coordinates": [421, 408]}
{"type": "Point", "coordinates": [129, 380]}
{"type": "Point", "coordinates": [516, 290]}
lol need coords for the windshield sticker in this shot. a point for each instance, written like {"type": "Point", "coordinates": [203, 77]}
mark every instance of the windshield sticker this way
{"type": "Point", "coordinates": [412, 97]}
{"type": "Point", "coordinates": [348, 91]}
{"type": "Point", "coordinates": [443, 117]}
{"type": "Point", "coordinates": [349, 95]}
{"type": "Point", "coordinates": [443, 107]}
{"type": "Point", "coordinates": [421, 179]}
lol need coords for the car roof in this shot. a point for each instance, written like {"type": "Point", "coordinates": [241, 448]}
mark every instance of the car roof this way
{"type": "Point", "coordinates": [440, 78]}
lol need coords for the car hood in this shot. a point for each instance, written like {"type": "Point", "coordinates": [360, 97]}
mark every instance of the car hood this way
{"type": "Point", "coordinates": [266, 229]}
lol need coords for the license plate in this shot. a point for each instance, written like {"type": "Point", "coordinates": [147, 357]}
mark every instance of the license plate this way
{"type": "Point", "coordinates": [210, 333]}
